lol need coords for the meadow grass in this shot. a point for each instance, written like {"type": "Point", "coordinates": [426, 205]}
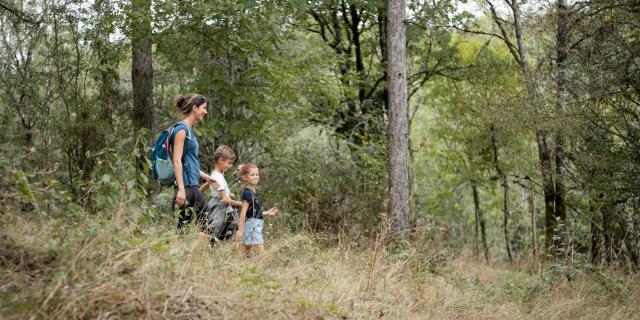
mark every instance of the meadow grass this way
{"type": "Point", "coordinates": [113, 268]}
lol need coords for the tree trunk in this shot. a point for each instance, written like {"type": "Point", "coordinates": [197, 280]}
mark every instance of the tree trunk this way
{"type": "Point", "coordinates": [476, 206]}
{"type": "Point", "coordinates": [480, 222]}
{"type": "Point", "coordinates": [606, 232]}
{"type": "Point", "coordinates": [547, 188]}
{"type": "Point", "coordinates": [382, 29]}
{"type": "Point", "coordinates": [541, 136]}
{"type": "Point", "coordinates": [562, 48]}
{"type": "Point", "coordinates": [398, 144]}
{"type": "Point", "coordinates": [355, 33]}
{"type": "Point", "coordinates": [595, 241]}
{"type": "Point", "coordinates": [519, 52]}
{"type": "Point", "coordinates": [142, 71]}
{"type": "Point", "coordinates": [505, 188]}
{"type": "Point", "coordinates": [534, 219]}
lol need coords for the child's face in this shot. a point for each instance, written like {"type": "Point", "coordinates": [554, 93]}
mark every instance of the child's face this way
{"type": "Point", "coordinates": [252, 177]}
{"type": "Point", "coordinates": [224, 164]}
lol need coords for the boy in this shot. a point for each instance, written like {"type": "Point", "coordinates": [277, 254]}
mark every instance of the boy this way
{"type": "Point", "coordinates": [221, 203]}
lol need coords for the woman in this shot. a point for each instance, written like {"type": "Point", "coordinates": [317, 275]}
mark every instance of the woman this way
{"type": "Point", "coordinates": [193, 109]}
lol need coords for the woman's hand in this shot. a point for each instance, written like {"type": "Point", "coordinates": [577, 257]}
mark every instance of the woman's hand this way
{"type": "Point", "coordinates": [213, 183]}
{"type": "Point", "coordinates": [181, 197]}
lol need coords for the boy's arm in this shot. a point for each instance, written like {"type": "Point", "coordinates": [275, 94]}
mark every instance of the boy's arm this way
{"type": "Point", "coordinates": [228, 201]}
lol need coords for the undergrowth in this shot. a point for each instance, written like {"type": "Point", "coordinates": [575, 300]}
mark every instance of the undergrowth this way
{"type": "Point", "coordinates": [124, 266]}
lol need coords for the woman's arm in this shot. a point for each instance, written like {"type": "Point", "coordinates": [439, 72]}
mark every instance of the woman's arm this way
{"type": "Point", "coordinates": [243, 217]}
{"type": "Point", "coordinates": [178, 149]}
{"type": "Point", "coordinates": [206, 177]}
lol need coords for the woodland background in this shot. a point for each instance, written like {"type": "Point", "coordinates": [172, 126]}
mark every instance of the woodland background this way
{"type": "Point", "coordinates": [524, 157]}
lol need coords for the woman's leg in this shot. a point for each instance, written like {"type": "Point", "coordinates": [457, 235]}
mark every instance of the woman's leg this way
{"type": "Point", "coordinates": [184, 217]}
{"type": "Point", "coordinates": [200, 204]}
{"type": "Point", "coordinates": [194, 203]}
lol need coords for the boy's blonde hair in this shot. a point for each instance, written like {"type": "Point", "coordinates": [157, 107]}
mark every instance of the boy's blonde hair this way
{"type": "Point", "coordinates": [224, 152]}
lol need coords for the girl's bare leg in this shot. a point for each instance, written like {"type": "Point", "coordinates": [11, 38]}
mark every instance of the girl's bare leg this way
{"type": "Point", "coordinates": [259, 248]}
{"type": "Point", "coordinates": [245, 251]}
{"type": "Point", "coordinates": [202, 242]}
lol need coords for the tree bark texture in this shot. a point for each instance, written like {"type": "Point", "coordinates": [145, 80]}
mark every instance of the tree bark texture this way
{"type": "Point", "coordinates": [562, 49]}
{"type": "Point", "coordinates": [398, 139]}
{"type": "Point", "coordinates": [142, 67]}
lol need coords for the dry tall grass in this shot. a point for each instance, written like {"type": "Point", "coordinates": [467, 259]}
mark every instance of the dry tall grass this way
{"type": "Point", "coordinates": [117, 268]}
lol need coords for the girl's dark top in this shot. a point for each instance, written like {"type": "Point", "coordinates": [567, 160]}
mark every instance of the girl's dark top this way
{"type": "Point", "coordinates": [255, 207]}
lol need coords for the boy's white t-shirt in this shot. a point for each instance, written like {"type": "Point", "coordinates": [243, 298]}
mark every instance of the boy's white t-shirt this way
{"type": "Point", "coordinates": [222, 184]}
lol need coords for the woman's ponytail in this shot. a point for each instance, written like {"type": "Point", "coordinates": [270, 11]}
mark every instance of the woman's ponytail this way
{"type": "Point", "coordinates": [186, 103]}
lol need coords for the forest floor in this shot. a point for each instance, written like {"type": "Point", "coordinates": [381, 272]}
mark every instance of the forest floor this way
{"type": "Point", "coordinates": [101, 268]}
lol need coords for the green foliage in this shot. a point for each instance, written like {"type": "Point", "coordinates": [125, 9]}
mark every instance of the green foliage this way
{"type": "Point", "coordinates": [298, 87]}
{"type": "Point", "coordinates": [320, 187]}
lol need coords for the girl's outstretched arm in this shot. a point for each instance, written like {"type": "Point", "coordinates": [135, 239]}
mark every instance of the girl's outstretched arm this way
{"type": "Point", "coordinates": [271, 212]}
{"type": "Point", "coordinates": [243, 218]}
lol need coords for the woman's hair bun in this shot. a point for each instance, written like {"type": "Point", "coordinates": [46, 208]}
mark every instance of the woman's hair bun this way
{"type": "Point", "coordinates": [180, 99]}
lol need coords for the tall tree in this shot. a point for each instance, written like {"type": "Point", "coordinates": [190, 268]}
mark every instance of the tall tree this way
{"type": "Point", "coordinates": [480, 222]}
{"type": "Point", "coordinates": [520, 54]}
{"type": "Point", "coordinates": [142, 68]}
{"type": "Point", "coordinates": [398, 143]}
{"type": "Point", "coordinates": [562, 50]}
{"type": "Point", "coordinates": [345, 26]}
{"type": "Point", "coordinates": [505, 196]}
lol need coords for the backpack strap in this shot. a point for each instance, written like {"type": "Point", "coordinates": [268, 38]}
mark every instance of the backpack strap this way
{"type": "Point", "coordinates": [188, 129]}
{"type": "Point", "coordinates": [171, 130]}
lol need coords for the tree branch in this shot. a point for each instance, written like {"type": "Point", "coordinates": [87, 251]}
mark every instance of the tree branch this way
{"type": "Point", "coordinates": [503, 31]}
{"type": "Point", "coordinates": [19, 14]}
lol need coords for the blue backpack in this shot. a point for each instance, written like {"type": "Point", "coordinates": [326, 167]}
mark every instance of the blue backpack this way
{"type": "Point", "coordinates": [161, 160]}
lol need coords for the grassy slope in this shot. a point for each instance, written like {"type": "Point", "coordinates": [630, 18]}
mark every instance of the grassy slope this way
{"type": "Point", "coordinates": [119, 269]}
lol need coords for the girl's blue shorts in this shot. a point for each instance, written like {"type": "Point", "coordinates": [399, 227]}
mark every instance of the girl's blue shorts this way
{"type": "Point", "coordinates": [252, 234]}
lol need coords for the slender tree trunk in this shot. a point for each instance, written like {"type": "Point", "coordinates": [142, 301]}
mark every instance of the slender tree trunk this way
{"type": "Point", "coordinates": [505, 188]}
{"type": "Point", "coordinates": [519, 52]}
{"type": "Point", "coordinates": [476, 206]}
{"type": "Point", "coordinates": [547, 188]}
{"type": "Point", "coordinates": [596, 232]}
{"type": "Point", "coordinates": [398, 144]}
{"type": "Point", "coordinates": [480, 222]}
{"type": "Point", "coordinates": [595, 241]}
{"type": "Point", "coordinates": [382, 30]}
{"type": "Point", "coordinates": [534, 218]}
{"type": "Point", "coordinates": [607, 233]}
{"type": "Point", "coordinates": [562, 49]}
{"type": "Point", "coordinates": [355, 33]}
{"type": "Point", "coordinates": [142, 71]}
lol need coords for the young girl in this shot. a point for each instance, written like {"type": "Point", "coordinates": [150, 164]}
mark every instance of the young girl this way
{"type": "Point", "coordinates": [251, 215]}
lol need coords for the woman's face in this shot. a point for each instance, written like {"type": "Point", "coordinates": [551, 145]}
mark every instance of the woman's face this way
{"type": "Point", "coordinates": [200, 111]}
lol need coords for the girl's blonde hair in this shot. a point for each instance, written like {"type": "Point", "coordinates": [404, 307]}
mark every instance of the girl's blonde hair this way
{"type": "Point", "coordinates": [244, 169]}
